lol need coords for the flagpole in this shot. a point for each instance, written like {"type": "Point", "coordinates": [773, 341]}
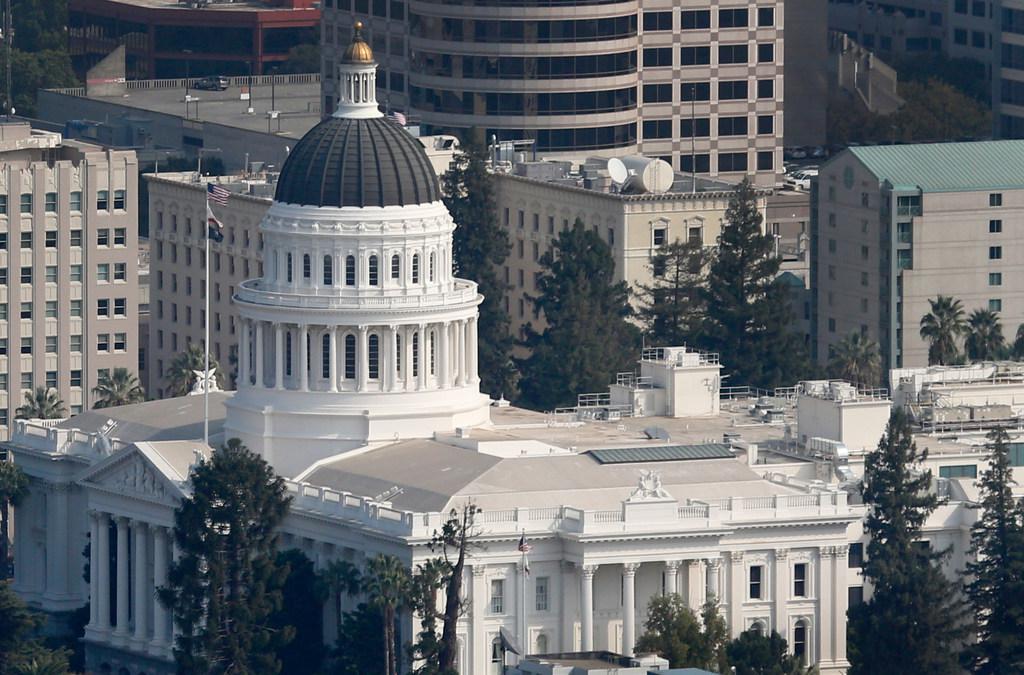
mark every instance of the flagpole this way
{"type": "Point", "coordinates": [206, 332]}
{"type": "Point", "coordinates": [523, 642]}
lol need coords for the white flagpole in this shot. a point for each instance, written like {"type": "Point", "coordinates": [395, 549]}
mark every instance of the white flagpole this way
{"type": "Point", "coordinates": [206, 329]}
{"type": "Point", "coordinates": [523, 641]}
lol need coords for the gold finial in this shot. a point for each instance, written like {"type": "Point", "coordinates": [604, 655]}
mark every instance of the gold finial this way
{"type": "Point", "coordinates": [358, 51]}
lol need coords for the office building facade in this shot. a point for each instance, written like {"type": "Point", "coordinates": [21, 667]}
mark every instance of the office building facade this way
{"type": "Point", "coordinates": [698, 83]}
{"type": "Point", "coordinates": [68, 266]}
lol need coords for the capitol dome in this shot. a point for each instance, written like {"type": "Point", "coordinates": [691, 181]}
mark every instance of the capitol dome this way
{"type": "Point", "coordinates": [357, 162]}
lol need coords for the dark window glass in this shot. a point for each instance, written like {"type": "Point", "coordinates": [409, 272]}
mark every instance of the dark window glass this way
{"type": "Point", "coordinates": [657, 93]}
{"type": "Point", "coordinates": [766, 52]}
{"type": "Point", "coordinates": [732, 54]}
{"type": "Point", "coordinates": [765, 160]}
{"type": "Point", "coordinates": [765, 88]}
{"type": "Point", "coordinates": [657, 21]}
{"type": "Point", "coordinates": [695, 91]}
{"type": "Point", "coordinates": [702, 162]}
{"type": "Point", "coordinates": [733, 18]}
{"type": "Point", "coordinates": [765, 124]}
{"type": "Point", "coordinates": [695, 56]}
{"type": "Point", "coordinates": [699, 127]}
{"type": "Point", "coordinates": [732, 126]}
{"type": "Point", "coordinates": [657, 129]}
{"type": "Point", "coordinates": [730, 90]}
{"type": "Point", "coordinates": [696, 19]}
{"type": "Point", "coordinates": [765, 16]}
{"type": "Point", "coordinates": [657, 57]}
{"type": "Point", "coordinates": [732, 161]}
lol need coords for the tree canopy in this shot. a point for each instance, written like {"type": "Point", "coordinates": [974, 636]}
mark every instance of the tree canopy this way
{"type": "Point", "coordinates": [119, 387]}
{"type": "Point", "coordinates": [674, 632]}
{"type": "Point", "coordinates": [587, 338]}
{"type": "Point", "coordinates": [42, 403]}
{"type": "Point", "coordinates": [13, 490]}
{"type": "Point", "coordinates": [942, 328]}
{"type": "Point", "coordinates": [226, 586]}
{"type": "Point", "coordinates": [21, 650]}
{"type": "Point", "coordinates": [671, 306]}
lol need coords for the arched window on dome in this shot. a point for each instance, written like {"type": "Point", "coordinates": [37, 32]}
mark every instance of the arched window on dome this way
{"type": "Point", "coordinates": [350, 270]}
{"type": "Point", "coordinates": [328, 271]}
{"type": "Point", "coordinates": [374, 271]}
{"type": "Point", "coordinates": [325, 355]}
{"type": "Point", "coordinates": [416, 268]}
{"type": "Point", "coordinates": [289, 264]}
{"type": "Point", "coordinates": [288, 353]}
{"type": "Point", "coordinates": [307, 266]}
{"type": "Point", "coordinates": [433, 265]}
{"type": "Point", "coordinates": [373, 357]}
{"type": "Point", "coordinates": [396, 267]}
{"type": "Point", "coordinates": [350, 357]}
{"type": "Point", "coordinates": [415, 354]}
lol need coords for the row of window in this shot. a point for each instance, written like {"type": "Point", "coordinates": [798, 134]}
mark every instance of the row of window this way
{"type": "Point", "coordinates": [700, 19]}
{"type": "Point", "coordinates": [700, 127]}
{"type": "Point", "coordinates": [373, 271]}
{"type": "Point", "coordinates": [50, 271]}
{"type": "Point", "coordinates": [661, 57]}
{"type": "Point", "coordinates": [50, 202]}
{"type": "Point", "coordinates": [518, 104]}
{"type": "Point", "coordinates": [229, 234]}
{"type": "Point", "coordinates": [727, 162]}
{"type": "Point", "coordinates": [50, 238]}
{"type": "Point", "coordinates": [510, 31]}
{"type": "Point", "coordinates": [518, 68]}
{"type": "Point", "coordinates": [728, 90]}
{"type": "Point", "coordinates": [50, 344]}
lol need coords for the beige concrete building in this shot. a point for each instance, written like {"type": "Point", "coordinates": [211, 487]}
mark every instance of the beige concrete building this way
{"type": "Point", "coordinates": [537, 206]}
{"type": "Point", "coordinates": [68, 273]}
{"type": "Point", "coordinates": [698, 83]}
{"type": "Point", "coordinates": [893, 226]}
{"type": "Point", "coordinates": [177, 221]}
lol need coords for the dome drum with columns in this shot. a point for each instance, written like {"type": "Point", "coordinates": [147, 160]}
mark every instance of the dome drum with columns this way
{"type": "Point", "coordinates": [358, 331]}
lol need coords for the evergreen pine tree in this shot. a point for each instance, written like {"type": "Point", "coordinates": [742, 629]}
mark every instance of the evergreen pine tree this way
{"type": "Point", "coordinates": [226, 585]}
{"type": "Point", "coordinates": [302, 590]}
{"type": "Point", "coordinates": [588, 338]}
{"type": "Point", "coordinates": [479, 247]}
{"type": "Point", "coordinates": [747, 317]}
{"type": "Point", "coordinates": [914, 621]}
{"type": "Point", "coordinates": [996, 586]}
{"type": "Point", "coordinates": [671, 307]}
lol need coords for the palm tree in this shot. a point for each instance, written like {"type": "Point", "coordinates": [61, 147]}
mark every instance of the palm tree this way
{"type": "Point", "coordinates": [387, 584]}
{"type": "Point", "coordinates": [856, 358]}
{"type": "Point", "coordinates": [42, 403]}
{"type": "Point", "coordinates": [985, 340]}
{"type": "Point", "coordinates": [341, 576]}
{"type": "Point", "coordinates": [118, 388]}
{"type": "Point", "coordinates": [13, 490]}
{"type": "Point", "coordinates": [181, 372]}
{"type": "Point", "coordinates": [942, 327]}
{"type": "Point", "coordinates": [1018, 343]}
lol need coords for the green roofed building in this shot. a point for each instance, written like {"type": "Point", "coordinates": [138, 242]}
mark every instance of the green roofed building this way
{"type": "Point", "coordinates": [893, 226]}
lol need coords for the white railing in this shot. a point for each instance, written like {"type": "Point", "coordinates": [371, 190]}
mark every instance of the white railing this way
{"type": "Point", "coordinates": [179, 82]}
{"type": "Point", "coordinates": [250, 291]}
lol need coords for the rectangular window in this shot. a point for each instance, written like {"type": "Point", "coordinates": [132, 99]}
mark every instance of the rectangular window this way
{"type": "Point", "coordinates": [765, 16]}
{"type": "Point", "coordinates": [3, 205]}
{"type": "Point", "coordinates": [120, 306]}
{"type": "Point", "coordinates": [732, 161]}
{"type": "Point", "coordinates": [995, 252]}
{"type": "Point", "coordinates": [120, 271]}
{"type": "Point", "coordinates": [120, 236]}
{"type": "Point", "coordinates": [995, 279]}
{"type": "Point", "coordinates": [103, 342]}
{"type": "Point", "coordinates": [102, 200]}
{"type": "Point", "coordinates": [76, 238]}
{"type": "Point", "coordinates": [51, 202]}
{"type": "Point", "coordinates": [959, 471]}
{"type": "Point", "coordinates": [905, 259]}
{"type": "Point", "coordinates": [3, 311]}
{"type": "Point", "coordinates": [729, 54]}
{"type": "Point", "coordinates": [26, 345]}
{"type": "Point", "coordinates": [103, 272]}
{"type": "Point", "coordinates": [497, 596]}
{"type": "Point", "coordinates": [660, 236]}
{"type": "Point", "coordinates": [103, 307]}
{"type": "Point", "coordinates": [855, 557]}
{"type": "Point", "coordinates": [119, 199]}
{"type": "Point", "coordinates": [732, 126]}
{"type": "Point", "coordinates": [732, 90]}
{"type": "Point", "coordinates": [3, 346]}
{"type": "Point", "coordinates": [541, 593]}
{"type": "Point", "coordinates": [26, 240]}
{"type": "Point", "coordinates": [995, 305]}
{"type": "Point", "coordinates": [695, 56]}
{"type": "Point", "coordinates": [51, 379]}
{"type": "Point", "coordinates": [733, 18]}
{"type": "Point", "coordinates": [766, 52]}
{"type": "Point", "coordinates": [695, 91]}
{"type": "Point", "coordinates": [995, 199]}
{"type": "Point", "coordinates": [657, 21]}
{"type": "Point", "coordinates": [765, 160]}
{"type": "Point", "coordinates": [696, 19]}
{"type": "Point", "coordinates": [26, 275]}
{"type": "Point", "coordinates": [756, 579]}
{"type": "Point", "coordinates": [51, 309]}
{"type": "Point", "coordinates": [3, 241]}
{"type": "Point", "coordinates": [657, 57]}
{"type": "Point", "coordinates": [700, 163]}
{"type": "Point", "coordinates": [50, 239]}
{"type": "Point", "coordinates": [657, 93]}
{"type": "Point", "coordinates": [76, 343]}
{"type": "Point", "coordinates": [103, 237]}
{"type": "Point", "coordinates": [995, 226]}
{"type": "Point", "coordinates": [120, 342]}
{"type": "Point", "coordinates": [76, 273]}
{"type": "Point", "coordinates": [766, 88]}
{"type": "Point", "coordinates": [800, 580]}
{"type": "Point", "coordinates": [76, 308]}
{"type": "Point", "coordinates": [765, 124]}
{"type": "Point", "coordinates": [51, 344]}
{"type": "Point", "coordinates": [699, 127]}
{"type": "Point", "coordinates": [657, 129]}
{"type": "Point", "coordinates": [26, 202]}
{"type": "Point", "coordinates": [26, 310]}
{"type": "Point", "coordinates": [76, 200]}
{"type": "Point", "coordinates": [26, 380]}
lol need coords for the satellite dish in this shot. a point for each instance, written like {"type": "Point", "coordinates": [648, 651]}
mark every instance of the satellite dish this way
{"type": "Point", "coordinates": [617, 170]}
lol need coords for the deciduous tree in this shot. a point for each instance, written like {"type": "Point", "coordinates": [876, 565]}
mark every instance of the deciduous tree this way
{"type": "Point", "coordinates": [914, 620]}
{"type": "Point", "coordinates": [673, 631]}
{"type": "Point", "coordinates": [755, 654]}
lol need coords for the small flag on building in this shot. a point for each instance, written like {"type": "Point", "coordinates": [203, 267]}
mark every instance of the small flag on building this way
{"type": "Point", "coordinates": [397, 117]}
{"type": "Point", "coordinates": [215, 229]}
{"type": "Point", "coordinates": [217, 194]}
{"type": "Point", "coordinates": [525, 548]}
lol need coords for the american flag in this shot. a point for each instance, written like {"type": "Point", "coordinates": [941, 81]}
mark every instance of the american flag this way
{"type": "Point", "coordinates": [217, 194]}
{"type": "Point", "coordinates": [397, 117]}
{"type": "Point", "coordinates": [524, 547]}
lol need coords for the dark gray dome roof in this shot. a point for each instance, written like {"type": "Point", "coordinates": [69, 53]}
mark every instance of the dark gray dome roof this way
{"type": "Point", "coordinates": [357, 162]}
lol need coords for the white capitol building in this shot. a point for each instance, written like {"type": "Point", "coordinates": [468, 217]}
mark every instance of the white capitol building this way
{"type": "Point", "coordinates": [358, 382]}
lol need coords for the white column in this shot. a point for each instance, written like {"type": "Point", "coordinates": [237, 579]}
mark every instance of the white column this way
{"type": "Point", "coordinates": [333, 356]}
{"type": "Point", "coordinates": [695, 585]}
{"type": "Point", "coordinates": [278, 356]}
{"type": "Point", "coordinates": [840, 603]}
{"type": "Point", "coordinates": [826, 558]}
{"type": "Point", "coordinates": [479, 647]}
{"type": "Point", "coordinates": [407, 332]}
{"type": "Point", "coordinates": [142, 594]}
{"type": "Point", "coordinates": [258, 355]}
{"type": "Point", "coordinates": [780, 593]}
{"type": "Point", "coordinates": [94, 569]}
{"type": "Point", "coordinates": [243, 356]}
{"type": "Point", "coordinates": [737, 591]}
{"type": "Point", "coordinates": [392, 360]}
{"type": "Point", "coordinates": [101, 594]}
{"type": "Point", "coordinates": [671, 577]}
{"type": "Point", "coordinates": [56, 541]}
{"type": "Point", "coordinates": [303, 358]}
{"type": "Point", "coordinates": [460, 353]}
{"type": "Point", "coordinates": [363, 359]}
{"type": "Point", "coordinates": [123, 581]}
{"type": "Point", "coordinates": [715, 580]}
{"type": "Point", "coordinates": [629, 607]}
{"type": "Point", "coordinates": [471, 329]}
{"type": "Point", "coordinates": [442, 356]}
{"type": "Point", "coordinates": [587, 607]}
{"type": "Point", "coordinates": [160, 613]}
{"type": "Point", "coordinates": [424, 355]}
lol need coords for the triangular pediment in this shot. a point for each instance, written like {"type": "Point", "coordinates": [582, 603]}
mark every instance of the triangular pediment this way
{"type": "Point", "coordinates": [132, 472]}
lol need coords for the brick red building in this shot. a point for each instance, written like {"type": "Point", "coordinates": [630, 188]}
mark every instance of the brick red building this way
{"type": "Point", "coordinates": [165, 38]}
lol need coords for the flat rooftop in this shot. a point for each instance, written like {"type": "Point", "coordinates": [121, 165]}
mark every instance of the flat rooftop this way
{"type": "Point", "coordinates": [233, 6]}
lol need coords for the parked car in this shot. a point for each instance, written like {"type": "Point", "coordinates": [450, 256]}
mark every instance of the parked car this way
{"type": "Point", "coordinates": [213, 83]}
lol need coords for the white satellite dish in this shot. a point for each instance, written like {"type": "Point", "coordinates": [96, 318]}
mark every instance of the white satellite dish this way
{"type": "Point", "coordinates": [617, 170]}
